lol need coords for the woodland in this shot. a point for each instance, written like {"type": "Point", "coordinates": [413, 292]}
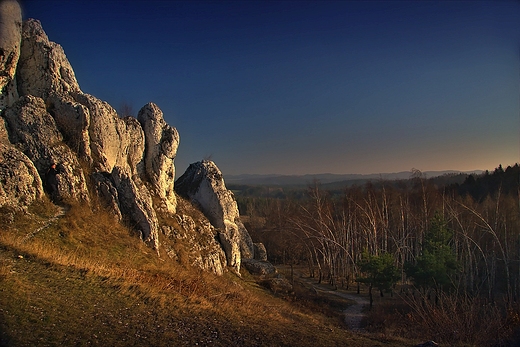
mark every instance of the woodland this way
{"type": "Point", "coordinates": [449, 247]}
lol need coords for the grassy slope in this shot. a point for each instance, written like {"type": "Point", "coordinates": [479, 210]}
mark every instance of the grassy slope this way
{"type": "Point", "coordinates": [85, 280]}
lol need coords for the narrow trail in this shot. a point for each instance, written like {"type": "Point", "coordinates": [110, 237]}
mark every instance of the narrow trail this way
{"type": "Point", "coordinates": [60, 213]}
{"type": "Point", "coordinates": [354, 313]}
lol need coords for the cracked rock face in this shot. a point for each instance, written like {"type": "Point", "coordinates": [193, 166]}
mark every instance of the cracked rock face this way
{"type": "Point", "coordinates": [53, 121]}
{"type": "Point", "coordinates": [203, 184]}
{"type": "Point", "coordinates": [162, 141]}
{"type": "Point", "coordinates": [21, 184]}
{"type": "Point", "coordinates": [10, 40]}
{"type": "Point", "coordinates": [128, 163]}
{"type": "Point", "coordinates": [43, 67]}
{"type": "Point", "coordinates": [33, 131]}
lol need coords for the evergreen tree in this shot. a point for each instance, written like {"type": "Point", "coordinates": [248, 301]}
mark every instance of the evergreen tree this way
{"type": "Point", "coordinates": [379, 271]}
{"type": "Point", "coordinates": [437, 263]}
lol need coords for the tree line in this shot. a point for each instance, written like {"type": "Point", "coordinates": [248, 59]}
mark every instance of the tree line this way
{"type": "Point", "coordinates": [451, 237]}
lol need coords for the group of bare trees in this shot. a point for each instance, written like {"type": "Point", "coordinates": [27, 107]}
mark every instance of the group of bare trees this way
{"type": "Point", "coordinates": [332, 233]}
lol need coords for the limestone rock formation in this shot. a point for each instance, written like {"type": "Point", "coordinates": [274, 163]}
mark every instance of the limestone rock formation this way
{"type": "Point", "coordinates": [21, 184]}
{"type": "Point", "coordinates": [161, 148]}
{"type": "Point", "coordinates": [44, 69]}
{"type": "Point", "coordinates": [10, 40]}
{"type": "Point", "coordinates": [135, 201]}
{"type": "Point", "coordinates": [76, 126]}
{"type": "Point", "coordinates": [203, 184]}
{"type": "Point", "coordinates": [33, 131]}
{"type": "Point", "coordinates": [191, 240]}
{"type": "Point", "coordinates": [125, 165]}
{"type": "Point", "coordinates": [260, 252]}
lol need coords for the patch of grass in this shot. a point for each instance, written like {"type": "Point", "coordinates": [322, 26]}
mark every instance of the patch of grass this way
{"type": "Point", "coordinates": [85, 280]}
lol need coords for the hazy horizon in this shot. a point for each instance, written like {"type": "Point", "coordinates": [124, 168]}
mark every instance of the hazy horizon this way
{"type": "Point", "coordinates": [363, 174]}
{"type": "Point", "coordinates": [293, 88]}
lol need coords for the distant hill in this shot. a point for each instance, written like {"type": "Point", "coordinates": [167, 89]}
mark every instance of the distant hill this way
{"type": "Point", "coordinates": [327, 178]}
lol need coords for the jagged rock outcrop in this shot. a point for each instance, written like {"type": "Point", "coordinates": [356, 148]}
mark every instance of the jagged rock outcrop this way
{"type": "Point", "coordinates": [161, 148]}
{"type": "Point", "coordinates": [33, 131]}
{"type": "Point", "coordinates": [21, 184]}
{"type": "Point", "coordinates": [10, 40]}
{"type": "Point", "coordinates": [203, 184]}
{"type": "Point", "coordinates": [191, 240]}
{"type": "Point", "coordinates": [125, 164]}
{"type": "Point", "coordinates": [43, 67]}
{"type": "Point", "coordinates": [78, 127]}
{"type": "Point", "coordinates": [136, 202]}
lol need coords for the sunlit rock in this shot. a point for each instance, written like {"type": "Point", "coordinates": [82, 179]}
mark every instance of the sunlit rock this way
{"type": "Point", "coordinates": [135, 202]}
{"type": "Point", "coordinates": [203, 184]}
{"type": "Point", "coordinates": [128, 162]}
{"type": "Point", "coordinates": [43, 68]}
{"type": "Point", "coordinates": [34, 132]}
{"type": "Point", "coordinates": [21, 184]}
{"type": "Point", "coordinates": [10, 41]}
{"type": "Point", "coordinates": [162, 141]}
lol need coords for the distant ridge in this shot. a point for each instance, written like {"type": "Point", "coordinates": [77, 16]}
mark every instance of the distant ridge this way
{"type": "Point", "coordinates": [326, 178]}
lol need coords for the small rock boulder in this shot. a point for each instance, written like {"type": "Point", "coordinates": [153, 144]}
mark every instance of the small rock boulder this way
{"type": "Point", "coordinates": [260, 251]}
{"type": "Point", "coordinates": [278, 284]}
{"type": "Point", "coordinates": [259, 267]}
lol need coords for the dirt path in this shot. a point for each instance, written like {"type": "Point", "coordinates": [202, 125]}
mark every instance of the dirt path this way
{"type": "Point", "coordinates": [354, 313]}
{"type": "Point", "coordinates": [60, 213]}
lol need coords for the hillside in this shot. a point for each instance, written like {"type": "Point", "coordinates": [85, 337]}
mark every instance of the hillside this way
{"type": "Point", "coordinates": [327, 178]}
{"type": "Point", "coordinates": [84, 280]}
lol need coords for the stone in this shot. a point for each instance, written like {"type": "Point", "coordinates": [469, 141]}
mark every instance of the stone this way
{"type": "Point", "coordinates": [203, 184]}
{"type": "Point", "coordinates": [260, 251]}
{"type": "Point", "coordinates": [10, 42]}
{"type": "Point", "coordinates": [113, 141]}
{"type": "Point", "coordinates": [135, 202]}
{"type": "Point", "coordinates": [20, 183]}
{"type": "Point", "coordinates": [34, 132]}
{"type": "Point", "coordinates": [129, 162]}
{"type": "Point", "coordinates": [107, 193]}
{"type": "Point", "coordinates": [277, 284]}
{"type": "Point", "coordinates": [193, 238]}
{"type": "Point", "coordinates": [162, 141]}
{"type": "Point", "coordinates": [43, 69]}
{"type": "Point", "coordinates": [259, 267]}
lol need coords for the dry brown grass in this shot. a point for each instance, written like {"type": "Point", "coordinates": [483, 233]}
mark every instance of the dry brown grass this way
{"type": "Point", "coordinates": [454, 320]}
{"type": "Point", "coordinates": [86, 279]}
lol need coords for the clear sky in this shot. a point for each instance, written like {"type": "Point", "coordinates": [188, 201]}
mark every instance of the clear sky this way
{"type": "Point", "coordinates": [304, 87]}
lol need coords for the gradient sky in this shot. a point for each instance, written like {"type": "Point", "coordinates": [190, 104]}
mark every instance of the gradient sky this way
{"type": "Point", "coordinates": [307, 87]}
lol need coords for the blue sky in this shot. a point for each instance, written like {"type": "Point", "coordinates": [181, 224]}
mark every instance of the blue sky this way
{"type": "Point", "coordinates": [305, 87]}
